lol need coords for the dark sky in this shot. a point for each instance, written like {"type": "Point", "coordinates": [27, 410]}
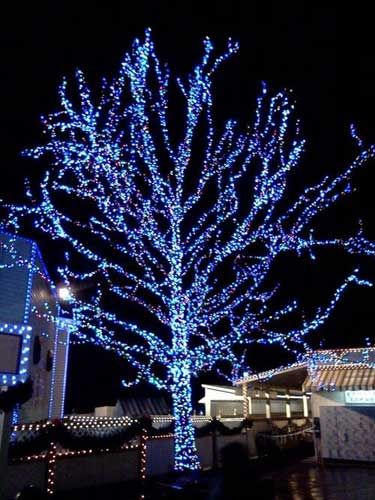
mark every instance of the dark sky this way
{"type": "Point", "coordinates": [317, 48]}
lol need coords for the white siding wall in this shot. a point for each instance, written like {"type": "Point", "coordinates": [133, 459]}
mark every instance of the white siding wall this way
{"type": "Point", "coordinates": [318, 399]}
{"type": "Point", "coordinates": [59, 373]}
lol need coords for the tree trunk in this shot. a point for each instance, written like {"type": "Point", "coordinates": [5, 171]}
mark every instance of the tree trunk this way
{"type": "Point", "coordinates": [185, 451]}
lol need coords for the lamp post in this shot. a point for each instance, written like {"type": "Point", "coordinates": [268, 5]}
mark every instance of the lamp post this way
{"type": "Point", "coordinates": [64, 294]}
{"type": "Point", "coordinates": [64, 326]}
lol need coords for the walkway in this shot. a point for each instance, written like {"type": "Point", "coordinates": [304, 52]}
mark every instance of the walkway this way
{"type": "Point", "coordinates": [301, 481]}
{"type": "Point", "coordinates": [310, 482]}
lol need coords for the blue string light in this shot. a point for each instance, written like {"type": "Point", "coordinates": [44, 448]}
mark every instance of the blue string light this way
{"type": "Point", "coordinates": [25, 332]}
{"type": "Point", "coordinates": [117, 154]}
{"type": "Point", "coordinates": [15, 256]}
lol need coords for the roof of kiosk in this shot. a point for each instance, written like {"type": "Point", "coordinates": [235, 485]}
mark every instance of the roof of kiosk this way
{"type": "Point", "coordinates": [328, 369]}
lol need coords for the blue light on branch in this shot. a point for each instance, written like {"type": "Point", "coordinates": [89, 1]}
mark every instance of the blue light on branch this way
{"type": "Point", "coordinates": [169, 223]}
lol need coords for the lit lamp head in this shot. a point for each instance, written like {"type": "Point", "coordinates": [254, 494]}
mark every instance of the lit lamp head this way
{"type": "Point", "coordinates": [64, 294]}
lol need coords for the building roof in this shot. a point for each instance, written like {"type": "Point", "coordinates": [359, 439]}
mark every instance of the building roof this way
{"type": "Point", "coordinates": [342, 369]}
{"type": "Point", "coordinates": [340, 378]}
{"type": "Point", "coordinates": [222, 388]}
{"type": "Point", "coordinates": [353, 355]}
{"type": "Point", "coordinates": [323, 369]}
{"type": "Point", "coordinates": [144, 406]}
{"type": "Point", "coordinates": [224, 392]}
{"type": "Point", "coordinates": [278, 375]}
{"type": "Point", "coordinates": [22, 247]}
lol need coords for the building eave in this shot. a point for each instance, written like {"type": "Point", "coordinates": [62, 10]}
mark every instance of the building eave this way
{"type": "Point", "coordinates": [266, 375]}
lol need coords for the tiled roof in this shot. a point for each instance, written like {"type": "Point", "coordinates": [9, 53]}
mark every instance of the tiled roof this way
{"type": "Point", "coordinates": [141, 407]}
{"type": "Point", "coordinates": [319, 360]}
{"type": "Point", "coordinates": [340, 378]}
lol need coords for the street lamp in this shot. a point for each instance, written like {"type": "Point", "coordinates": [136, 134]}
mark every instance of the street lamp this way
{"type": "Point", "coordinates": [64, 293]}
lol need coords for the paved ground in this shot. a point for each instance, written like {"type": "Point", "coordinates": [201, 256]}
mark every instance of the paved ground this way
{"type": "Point", "coordinates": [310, 482]}
{"type": "Point", "coordinates": [301, 481]}
{"type": "Point", "coordinates": [307, 481]}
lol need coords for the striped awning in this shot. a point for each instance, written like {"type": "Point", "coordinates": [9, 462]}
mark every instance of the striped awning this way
{"type": "Point", "coordinates": [340, 378]}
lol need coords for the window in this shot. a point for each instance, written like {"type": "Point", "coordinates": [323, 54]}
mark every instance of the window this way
{"type": "Point", "coordinates": [227, 408]}
{"type": "Point", "coordinates": [10, 353]}
{"type": "Point", "coordinates": [49, 360]}
{"type": "Point", "coordinates": [37, 350]}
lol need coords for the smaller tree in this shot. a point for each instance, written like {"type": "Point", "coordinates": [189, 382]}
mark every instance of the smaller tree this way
{"type": "Point", "coordinates": [187, 226]}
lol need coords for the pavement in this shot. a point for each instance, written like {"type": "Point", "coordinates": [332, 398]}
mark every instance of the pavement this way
{"type": "Point", "coordinates": [309, 481]}
{"type": "Point", "coordinates": [304, 480]}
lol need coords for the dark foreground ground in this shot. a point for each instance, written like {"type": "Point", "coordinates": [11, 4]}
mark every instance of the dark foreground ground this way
{"type": "Point", "coordinates": [301, 481]}
{"type": "Point", "coordinates": [287, 478]}
{"type": "Point", "coordinates": [335, 482]}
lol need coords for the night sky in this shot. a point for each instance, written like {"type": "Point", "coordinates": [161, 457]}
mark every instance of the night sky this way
{"type": "Point", "coordinates": [322, 52]}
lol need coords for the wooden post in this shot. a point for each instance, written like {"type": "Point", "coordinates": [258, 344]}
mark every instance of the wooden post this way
{"type": "Point", "coordinates": [51, 468]}
{"type": "Point", "coordinates": [245, 402]}
{"type": "Point", "coordinates": [215, 458]}
{"type": "Point", "coordinates": [305, 406]}
{"type": "Point", "coordinates": [5, 430]}
{"type": "Point", "coordinates": [268, 406]}
{"type": "Point", "coordinates": [287, 405]}
{"type": "Point", "coordinates": [143, 462]}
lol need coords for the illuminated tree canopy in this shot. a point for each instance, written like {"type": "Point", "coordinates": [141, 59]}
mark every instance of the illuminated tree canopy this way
{"type": "Point", "coordinates": [187, 225]}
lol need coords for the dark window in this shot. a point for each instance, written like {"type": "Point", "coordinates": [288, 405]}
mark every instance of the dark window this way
{"type": "Point", "coordinates": [37, 350]}
{"type": "Point", "coordinates": [49, 360]}
{"type": "Point", "coordinates": [10, 353]}
{"type": "Point", "coordinates": [227, 408]}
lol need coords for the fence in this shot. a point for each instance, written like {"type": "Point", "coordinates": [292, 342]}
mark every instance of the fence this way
{"type": "Point", "coordinates": [81, 452]}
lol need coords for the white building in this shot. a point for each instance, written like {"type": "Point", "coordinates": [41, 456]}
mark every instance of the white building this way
{"type": "Point", "coordinates": [34, 340]}
{"type": "Point", "coordinates": [222, 401]}
{"type": "Point", "coordinates": [255, 398]}
{"type": "Point", "coordinates": [337, 387]}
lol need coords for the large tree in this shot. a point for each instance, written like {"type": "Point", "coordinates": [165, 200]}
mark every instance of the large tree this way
{"type": "Point", "coordinates": [183, 219]}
